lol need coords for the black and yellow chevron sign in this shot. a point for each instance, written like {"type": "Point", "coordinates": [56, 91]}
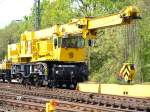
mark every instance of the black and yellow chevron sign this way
{"type": "Point", "coordinates": [127, 72]}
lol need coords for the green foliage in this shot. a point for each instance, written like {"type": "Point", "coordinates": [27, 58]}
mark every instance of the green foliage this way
{"type": "Point", "coordinates": [8, 35]}
{"type": "Point", "coordinates": [56, 13]}
{"type": "Point", "coordinates": [111, 45]}
{"type": "Point", "coordinates": [144, 33]}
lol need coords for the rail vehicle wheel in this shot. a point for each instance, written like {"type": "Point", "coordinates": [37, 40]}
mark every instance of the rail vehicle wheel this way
{"type": "Point", "coordinates": [54, 84]}
{"type": "Point", "coordinates": [73, 85]}
{"type": "Point", "coordinates": [32, 81]}
{"type": "Point", "coordinates": [22, 81]}
{"type": "Point", "coordinates": [26, 81]}
{"type": "Point", "coordinates": [64, 86]}
{"type": "Point", "coordinates": [19, 78]}
{"type": "Point", "coordinates": [60, 84]}
{"type": "Point", "coordinates": [36, 80]}
{"type": "Point", "coordinates": [83, 71]}
{"type": "Point", "coordinates": [40, 83]}
{"type": "Point", "coordinates": [3, 79]}
{"type": "Point", "coordinates": [51, 84]}
{"type": "Point", "coordinates": [36, 84]}
{"type": "Point", "coordinates": [9, 80]}
{"type": "Point", "coordinates": [68, 85]}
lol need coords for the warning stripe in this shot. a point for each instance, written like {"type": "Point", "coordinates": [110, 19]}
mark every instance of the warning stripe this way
{"type": "Point", "coordinates": [125, 72]}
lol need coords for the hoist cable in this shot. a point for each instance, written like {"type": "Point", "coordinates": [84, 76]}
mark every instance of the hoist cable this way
{"type": "Point", "coordinates": [126, 43]}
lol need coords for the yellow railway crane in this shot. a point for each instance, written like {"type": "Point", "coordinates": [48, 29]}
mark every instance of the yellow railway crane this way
{"type": "Point", "coordinates": [58, 55]}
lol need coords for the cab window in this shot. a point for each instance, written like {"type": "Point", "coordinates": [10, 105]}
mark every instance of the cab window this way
{"type": "Point", "coordinates": [73, 42]}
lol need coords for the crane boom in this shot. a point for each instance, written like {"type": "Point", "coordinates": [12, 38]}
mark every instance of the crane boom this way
{"type": "Point", "coordinates": [104, 22]}
{"type": "Point", "coordinates": [88, 25]}
{"type": "Point", "coordinates": [125, 16]}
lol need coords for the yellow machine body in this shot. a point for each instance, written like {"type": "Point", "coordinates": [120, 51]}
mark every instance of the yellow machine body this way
{"type": "Point", "coordinates": [58, 56]}
{"type": "Point", "coordinates": [5, 70]}
{"type": "Point", "coordinates": [14, 52]}
{"type": "Point", "coordinates": [5, 65]}
{"type": "Point", "coordinates": [32, 49]}
{"type": "Point", "coordinates": [41, 45]}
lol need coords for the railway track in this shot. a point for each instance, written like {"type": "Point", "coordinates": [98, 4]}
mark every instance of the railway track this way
{"type": "Point", "coordinates": [38, 104]}
{"type": "Point", "coordinates": [70, 99]}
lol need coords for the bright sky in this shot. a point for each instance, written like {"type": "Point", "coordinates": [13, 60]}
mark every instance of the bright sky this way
{"type": "Point", "coordinates": [14, 10]}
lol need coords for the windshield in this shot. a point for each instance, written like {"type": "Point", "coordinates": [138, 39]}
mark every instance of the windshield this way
{"type": "Point", "coordinates": [73, 42]}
